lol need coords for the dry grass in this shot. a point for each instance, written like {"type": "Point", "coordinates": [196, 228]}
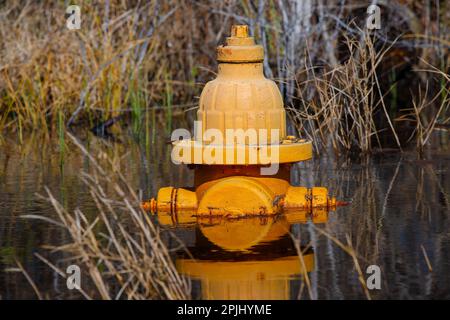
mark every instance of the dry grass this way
{"type": "Point", "coordinates": [131, 56]}
{"type": "Point", "coordinates": [117, 61]}
{"type": "Point", "coordinates": [429, 113]}
{"type": "Point", "coordinates": [121, 252]}
{"type": "Point", "coordinates": [344, 108]}
{"type": "Point", "coordinates": [342, 115]}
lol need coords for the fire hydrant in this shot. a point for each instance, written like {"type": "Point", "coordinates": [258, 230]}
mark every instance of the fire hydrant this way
{"type": "Point", "coordinates": [247, 173]}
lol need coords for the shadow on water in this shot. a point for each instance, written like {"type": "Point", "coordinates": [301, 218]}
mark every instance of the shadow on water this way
{"type": "Point", "coordinates": [398, 220]}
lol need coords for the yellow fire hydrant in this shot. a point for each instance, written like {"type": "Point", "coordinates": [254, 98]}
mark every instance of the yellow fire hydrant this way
{"type": "Point", "coordinates": [240, 153]}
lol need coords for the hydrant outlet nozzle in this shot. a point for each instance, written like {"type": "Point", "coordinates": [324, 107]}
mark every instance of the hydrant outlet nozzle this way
{"type": "Point", "coordinates": [150, 205]}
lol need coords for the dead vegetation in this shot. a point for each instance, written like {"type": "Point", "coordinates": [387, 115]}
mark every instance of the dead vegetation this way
{"type": "Point", "coordinates": [121, 250]}
{"type": "Point", "coordinates": [345, 84]}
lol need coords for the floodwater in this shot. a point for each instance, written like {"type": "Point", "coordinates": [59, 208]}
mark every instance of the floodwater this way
{"type": "Point", "coordinates": [398, 220]}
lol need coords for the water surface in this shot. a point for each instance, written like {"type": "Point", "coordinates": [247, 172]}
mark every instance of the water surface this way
{"type": "Point", "coordinates": [398, 218]}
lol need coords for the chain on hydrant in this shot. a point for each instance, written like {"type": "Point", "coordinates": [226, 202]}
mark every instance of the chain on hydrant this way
{"type": "Point", "coordinates": [245, 169]}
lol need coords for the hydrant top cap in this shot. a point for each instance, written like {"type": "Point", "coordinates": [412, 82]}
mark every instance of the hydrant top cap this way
{"type": "Point", "coordinates": [240, 47]}
{"type": "Point", "coordinates": [240, 31]}
{"type": "Point", "coordinates": [240, 37]}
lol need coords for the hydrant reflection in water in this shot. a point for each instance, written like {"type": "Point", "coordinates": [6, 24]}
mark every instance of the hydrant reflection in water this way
{"type": "Point", "coordinates": [247, 258]}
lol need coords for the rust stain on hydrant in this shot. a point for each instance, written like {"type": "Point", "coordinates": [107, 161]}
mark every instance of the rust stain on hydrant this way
{"type": "Point", "coordinates": [240, 99]}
